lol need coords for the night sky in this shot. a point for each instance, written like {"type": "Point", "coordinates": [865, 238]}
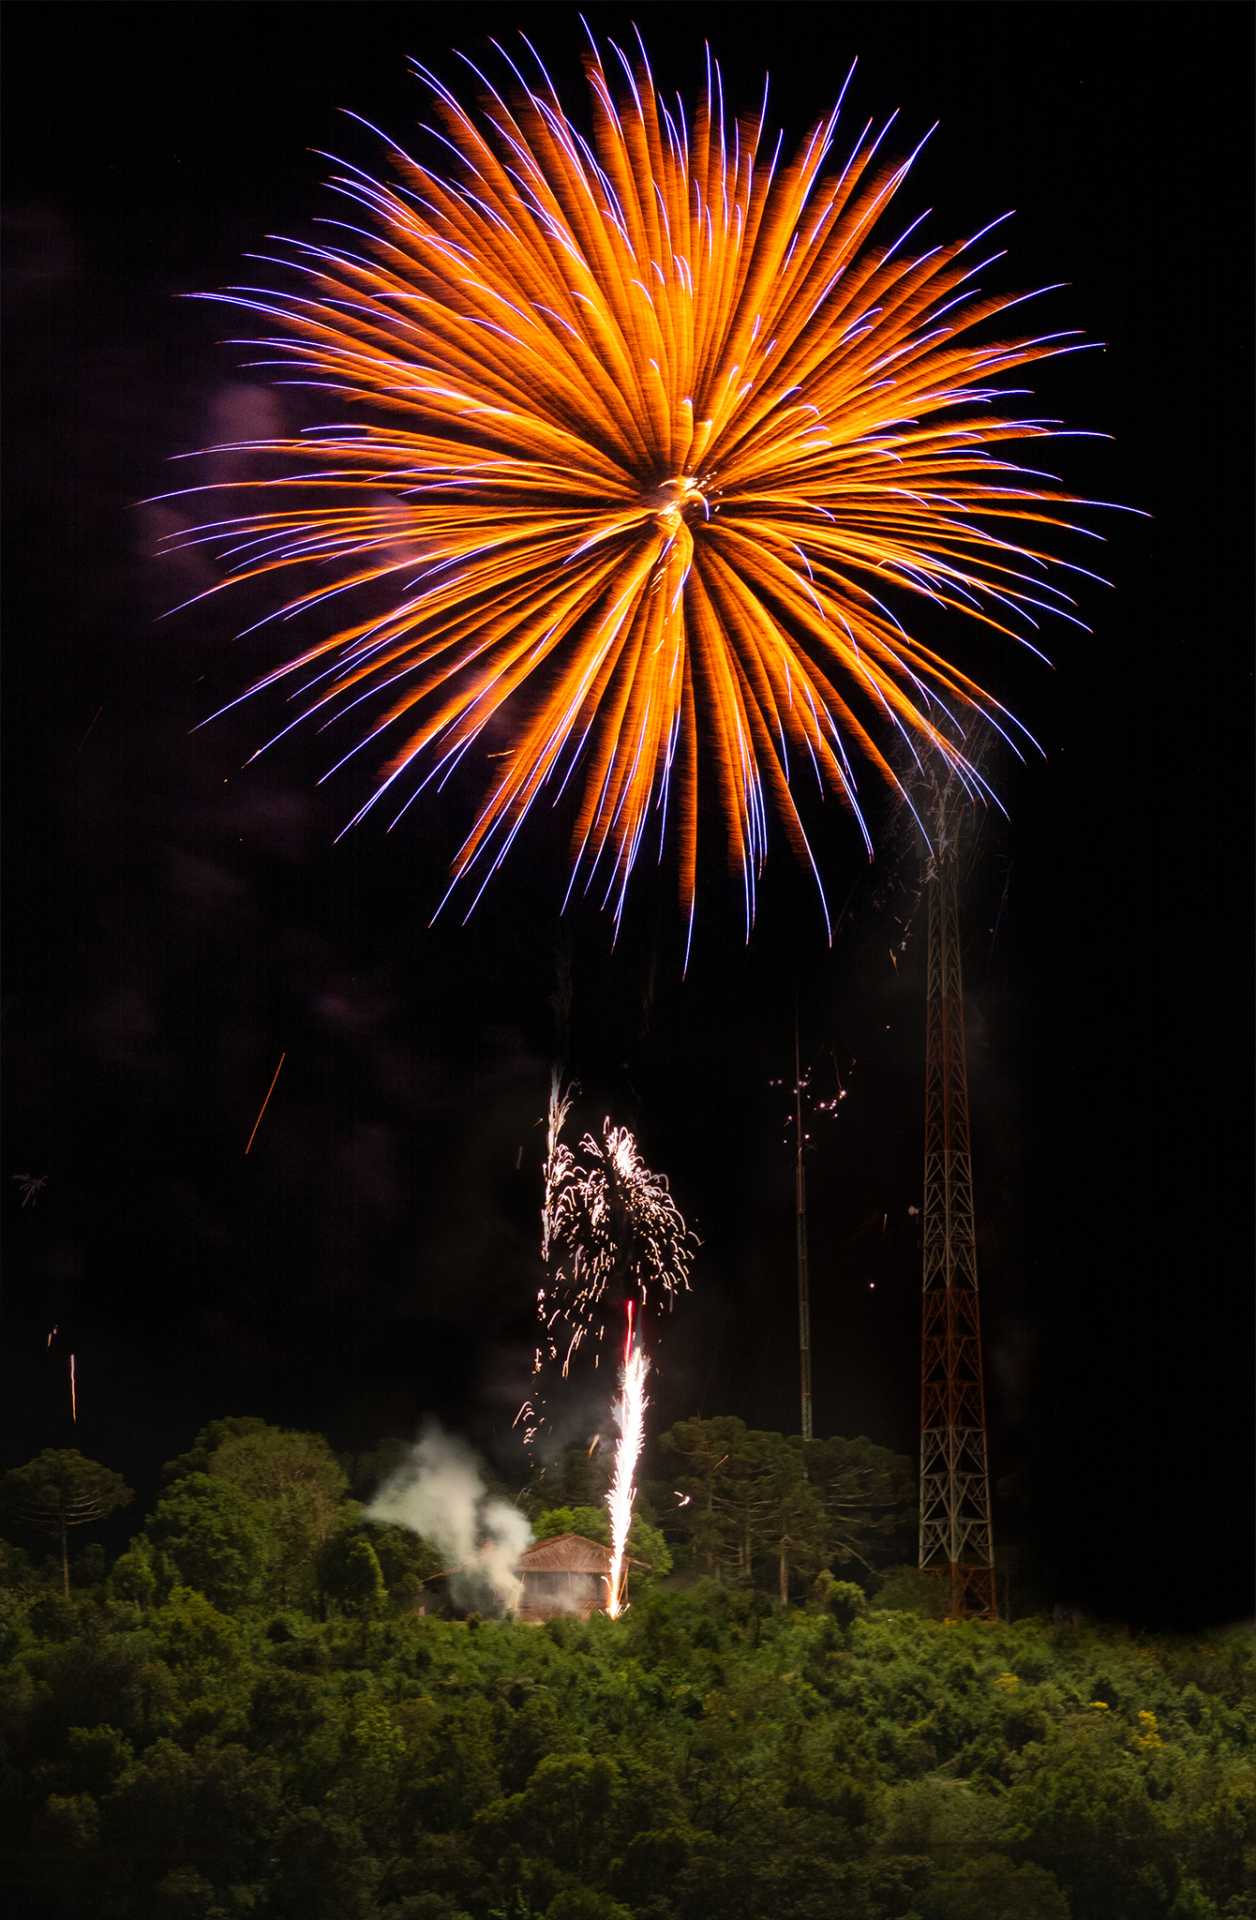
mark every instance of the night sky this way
{"type": "Point", "coordinates": [174, 923]}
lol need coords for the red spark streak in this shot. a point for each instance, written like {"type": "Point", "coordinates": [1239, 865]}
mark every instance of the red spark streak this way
{"type": "Point", "coordinates": [266, 1102]}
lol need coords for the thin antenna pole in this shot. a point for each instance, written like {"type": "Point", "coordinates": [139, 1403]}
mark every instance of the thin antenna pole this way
{"type": "Point", "coordinates": [804, 1295]}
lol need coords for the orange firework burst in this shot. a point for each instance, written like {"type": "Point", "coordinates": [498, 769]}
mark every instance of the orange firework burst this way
{"type": "Point", "coordinates": [653, 428]}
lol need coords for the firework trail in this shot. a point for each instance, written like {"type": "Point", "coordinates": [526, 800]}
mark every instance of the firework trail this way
{"type": "Point", "coordinates": [266, 1102]}
{"type": "Point", "coordinates": [653, 427]}
{"type": "Point", "coordinates": [558, 1170]}
{"type": "Point", "coordinates": [630, 1419]}
{"type": "Point", "coordinates": [559, 1163]}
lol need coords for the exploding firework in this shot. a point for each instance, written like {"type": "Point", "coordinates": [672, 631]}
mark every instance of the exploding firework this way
{"type": "Point", "coordinates": [655, 433]}
{"type": "Point", "coordinates": [610, 1228]}
{"type": "Point", "coordinates": [630, 1419]}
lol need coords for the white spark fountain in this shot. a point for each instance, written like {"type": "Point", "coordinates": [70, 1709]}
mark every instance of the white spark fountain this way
{"type": "Point", "coordinates": [630, 1419]}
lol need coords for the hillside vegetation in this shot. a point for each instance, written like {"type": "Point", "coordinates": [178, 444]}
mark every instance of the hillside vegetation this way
{"type": "Point", "coordinates": [246, 1715]}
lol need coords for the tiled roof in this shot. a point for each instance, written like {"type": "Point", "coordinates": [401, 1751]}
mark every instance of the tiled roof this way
{"type": "Point", "coordinates": [569, 1553]}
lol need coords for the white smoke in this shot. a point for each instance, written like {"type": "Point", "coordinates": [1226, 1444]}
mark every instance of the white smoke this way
{"type": "Point", "coordinates": [438, 1492]}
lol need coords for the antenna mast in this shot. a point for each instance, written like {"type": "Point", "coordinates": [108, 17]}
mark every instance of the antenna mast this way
{"type": "Point", "coordinates": [956, 1540]}
{"type": "Point", "coordinates": [804, 1294]}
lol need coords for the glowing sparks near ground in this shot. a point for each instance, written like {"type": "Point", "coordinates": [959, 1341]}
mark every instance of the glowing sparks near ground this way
{"type": "Point", "coordinates": [630, 1419]}
{"type": "Point", "coordinates": [656, 431]}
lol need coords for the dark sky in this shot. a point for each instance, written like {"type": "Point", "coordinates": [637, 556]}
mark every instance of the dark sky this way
{"type": "Point", "coordinates": [173, 924]}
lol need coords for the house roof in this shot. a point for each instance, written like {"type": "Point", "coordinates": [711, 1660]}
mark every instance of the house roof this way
{"type": "Point", "coordinates": [570, 1553]}
{"type": "Point", "coordinates": [566, 1553]}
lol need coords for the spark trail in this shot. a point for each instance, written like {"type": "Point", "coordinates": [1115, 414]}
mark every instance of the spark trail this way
{"type": "Point", "coordinates": [266, 1102]}
{"type": "Point", "coordinates": [630, 1419]}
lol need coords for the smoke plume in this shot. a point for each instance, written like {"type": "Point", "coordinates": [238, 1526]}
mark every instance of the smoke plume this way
{"type": "Point", "coordinates": [438, 1492]}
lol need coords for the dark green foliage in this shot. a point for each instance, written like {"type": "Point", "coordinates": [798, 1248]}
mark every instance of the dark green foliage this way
{"type": "Point", "coordinates": [323, 1869]}
{"type": "Point", "coordinates": [58, 1490]}
{"type": "Point", "coordinates": [841, 1599]}
{"type": "Point", "coordinates": [215, 1802]}
{"type": "Point", "coordinates": [992, 1888]}
{"type": "Point", "coordinates": [214, 1537]}
{"type": "Point", "coordinates": [405, 1560]}
{"type": "Point", "coordinates": [907, 1589]}
{"type": "Point", "coordinates": [134, 1576]}
{"type": "Point", "coordinates": [577, 1478]}
{"type": "Point", "coordinates": [760, 1505]}
{"type": "Point", "coordinates": [296, 1482]}
{"type": "Point", "coordinates": [174, 1746]}
{"type": "Point", "coordinates": [95, 1760]}
{"type": "Point", "coordinates": [362, 1592]}
{"type": "Point", "coordinates": [207, 1443]}
{"type": "Point", "coordinates": [592, 1522]}
{"type": "Point", "coordinates": [102, 1679]}
{"type": "Point", "coordinates": [582, 1903]}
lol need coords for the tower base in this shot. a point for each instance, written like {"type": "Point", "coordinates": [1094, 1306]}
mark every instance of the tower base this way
{"type": "Point", "coordinates": [970, 1591]}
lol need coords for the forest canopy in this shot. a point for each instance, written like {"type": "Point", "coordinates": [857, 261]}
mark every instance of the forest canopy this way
{"type": "Point", "coordinates": [260, 1707]}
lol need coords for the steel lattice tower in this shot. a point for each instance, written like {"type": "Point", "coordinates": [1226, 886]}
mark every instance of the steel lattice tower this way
{"type": "Point", "coordinates": [804, 1291]}
{"type": "Point", "coordinates": [956, 1539]}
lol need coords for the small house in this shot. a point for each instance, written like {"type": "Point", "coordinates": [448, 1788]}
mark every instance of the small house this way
{"type": "Point", "coordinates": [568, 1574]}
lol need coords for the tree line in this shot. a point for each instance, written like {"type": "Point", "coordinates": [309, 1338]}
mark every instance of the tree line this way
{"type": "Point", "coordinates": [253, 1513]}
{"type": "Point", "coordinates": [244, 1713]}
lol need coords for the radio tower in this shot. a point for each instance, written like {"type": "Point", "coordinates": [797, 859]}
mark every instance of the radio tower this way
{"type": "Point", "coordinates": [956, 1540]}
{"type": "Point", "coordinates": [800, 1208]}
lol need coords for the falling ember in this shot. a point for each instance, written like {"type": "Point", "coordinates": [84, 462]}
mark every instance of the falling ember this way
{"type": "Point", "coordinates": [73, 1401]}
{"type": "Point", "coordinates": [630, 1419]}
{"type": "Point", "coordinates": [266, 1102]}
